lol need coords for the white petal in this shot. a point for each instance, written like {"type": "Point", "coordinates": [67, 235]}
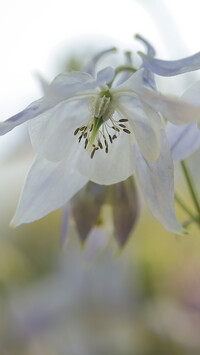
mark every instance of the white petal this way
{"type": "Point", "coordinates": [177, 111]}
{"type": "Point", "coordinates": [69, 84]}
{"type": "Point", "coordinates": [109, 168]}
{"type": "Point", "coordinates": [32, 111]}
{"type": "Point", "coordinates": [146, 129]}
{"type": "Point", "coordinates": [192, 94]}
{"type": "Point", "coordinates": [105, 75]}
{"type": "Point", "coordinates": [48, 186]}
{"type": "Point", "coordinates": [157, 183]}
{"type": "Point", "coordinates": [183, 140]}
{"type": "Point", "coordinates": [132, 84]}
{"type": "Point", "coordinates": [52, 133]}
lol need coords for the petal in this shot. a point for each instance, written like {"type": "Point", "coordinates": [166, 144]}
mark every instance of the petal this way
{"type": "Point", "coordinates": [48, 186]}
{"type": "Point", "coordinates": [131, 84]}
{"type": "Point", "coordinates": [124, 202]}
{"type": "Point", "coordinates": [32, 111]}
{"type": "Point", "coordinates": [183, 140]}
{"type": "Point", "coordinates": [146, 131]}
{"type": "Point", "coordinates": [109, 168]}
{"type": "Point", "coordinates": [63, 86]}
{"type": "Point", "coordinates": [191, 95]}
{"type": "Point", "coordinates": [105, 75]}
{"type": "Point", "coordinates": [173, 67]}
{"type": "Point", "coordinates": [52, 133]}
{"type": "Point", "coordinates": [177, 111]}
{"type": "Point", "coordinates": [86, 205]}
{"type": "Point", "coordinates": [156, 182]}
{"type": "Point", "coordinates": [69, 84]}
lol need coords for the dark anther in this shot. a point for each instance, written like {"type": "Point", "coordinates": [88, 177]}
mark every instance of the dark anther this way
{"type": "Point", "coordinates": [76, 131]}
{"type": "Point", "coordinates": [126, 131]}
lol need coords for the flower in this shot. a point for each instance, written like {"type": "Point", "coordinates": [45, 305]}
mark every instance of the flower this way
{"type": "Point", "coordinates": [87, 128]}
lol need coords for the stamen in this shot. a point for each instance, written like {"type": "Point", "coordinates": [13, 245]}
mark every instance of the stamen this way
{"type": "Point", "coordinates": [110, 138]}
{"type": "Point", "coordinates": [114, 137]}
{"type": "Point", "coordinates": [94, 150]}
{"type": "Point", "coordinates": [123, 120]}
{"type": "Point", "coordinates": [100, 145]}
{"type": "Point", "coordinates": [76, 131]}
{"type": "Point", "coordinates": [122, 125]}
{"type": "Point", "coordinates": [86, 143]}
{"type": "Point", "coordinates": [85, 135]}
{"type": "Point", "coordinates": [79, 138]}
{"type": "Point", "coordinates": [116, 129]}
{"type": "Point", "coordinates": [126, 131]}
{"type": "Point", "coordinates": [91, 128]}
{"type": "Point", "coordinates": [83, 128]}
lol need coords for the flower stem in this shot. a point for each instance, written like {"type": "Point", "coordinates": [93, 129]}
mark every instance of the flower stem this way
{"type": "Point", "coordinates": [191, 188]}
{"type": "Point", "coordinates": [186, 209]}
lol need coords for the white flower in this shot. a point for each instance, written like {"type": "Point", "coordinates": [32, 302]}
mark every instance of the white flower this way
{"type": "Point", "coordinates": [85, 129]}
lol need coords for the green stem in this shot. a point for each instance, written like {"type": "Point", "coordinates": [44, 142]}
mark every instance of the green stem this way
{"type": "Point", "coordinates": [186, 209]}
{"type": "Point", "coordinates": [191, 188]}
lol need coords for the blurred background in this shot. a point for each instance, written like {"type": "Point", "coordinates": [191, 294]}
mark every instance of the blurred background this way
{"type": "Point", "coordinates": [58, 297]}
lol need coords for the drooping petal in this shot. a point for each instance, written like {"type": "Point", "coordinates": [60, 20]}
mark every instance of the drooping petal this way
{"type": "Point", "coordinates": [124, 202]}
{"type": "Point", "coordinates": [173, 67]}
{"type": "Point", "coordinates": [85, 206]}
{"type": "Point", "coordinates": [157, 183]}
{"type": "Point", "coordinates": [183, 140]}
{"type": "Point", "coordinates": [177, 111]}
{"type": "Point", "coordinates": [52, 133]}
{"type": "Point", "coordinates": [146, 130]}
{"type": "Point", "coordinates": [48, 186]}
{"type": "Point", "coordinates": [109, 168]}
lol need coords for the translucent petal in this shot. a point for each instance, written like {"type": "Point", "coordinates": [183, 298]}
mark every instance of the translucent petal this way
{"type": "Point", "coordinates": [48, 186]}
{"type": "Point", "coordinates": [69, 84]}
{"type": "Point", "coordinates": [105, 75]}
{"type": "Point", "coordinates": [109, 168]}
{"type": "Point", "coordinates": [131, 84]}
{"type": "Point", "coordinates": [32, 111]}
{"type": "Point", "coordinates": [157, 183]}
{"type": "Point", "coordinates": [146, 133]}
{"type": "Point", "coordinates": [170, 68]}
{"type": "Point", "coordinates": [177, 111]}
{"type": "Point", "coordinates": [125, 207]}
{"type": "Point", "coordinates": [52, 133]}
{"type": "Point", "coordinates": [192, 94]}
{"type": "Point", "coordinates": [85, 206]}
{"type": "Point", "coordinates": [183, 140]}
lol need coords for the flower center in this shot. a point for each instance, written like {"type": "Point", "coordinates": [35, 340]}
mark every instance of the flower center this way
{"type": "Point", "coordinates": [97, 131]}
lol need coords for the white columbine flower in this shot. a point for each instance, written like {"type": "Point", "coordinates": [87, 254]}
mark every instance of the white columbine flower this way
{"type": "Point", "coordinates": [86, 129]}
